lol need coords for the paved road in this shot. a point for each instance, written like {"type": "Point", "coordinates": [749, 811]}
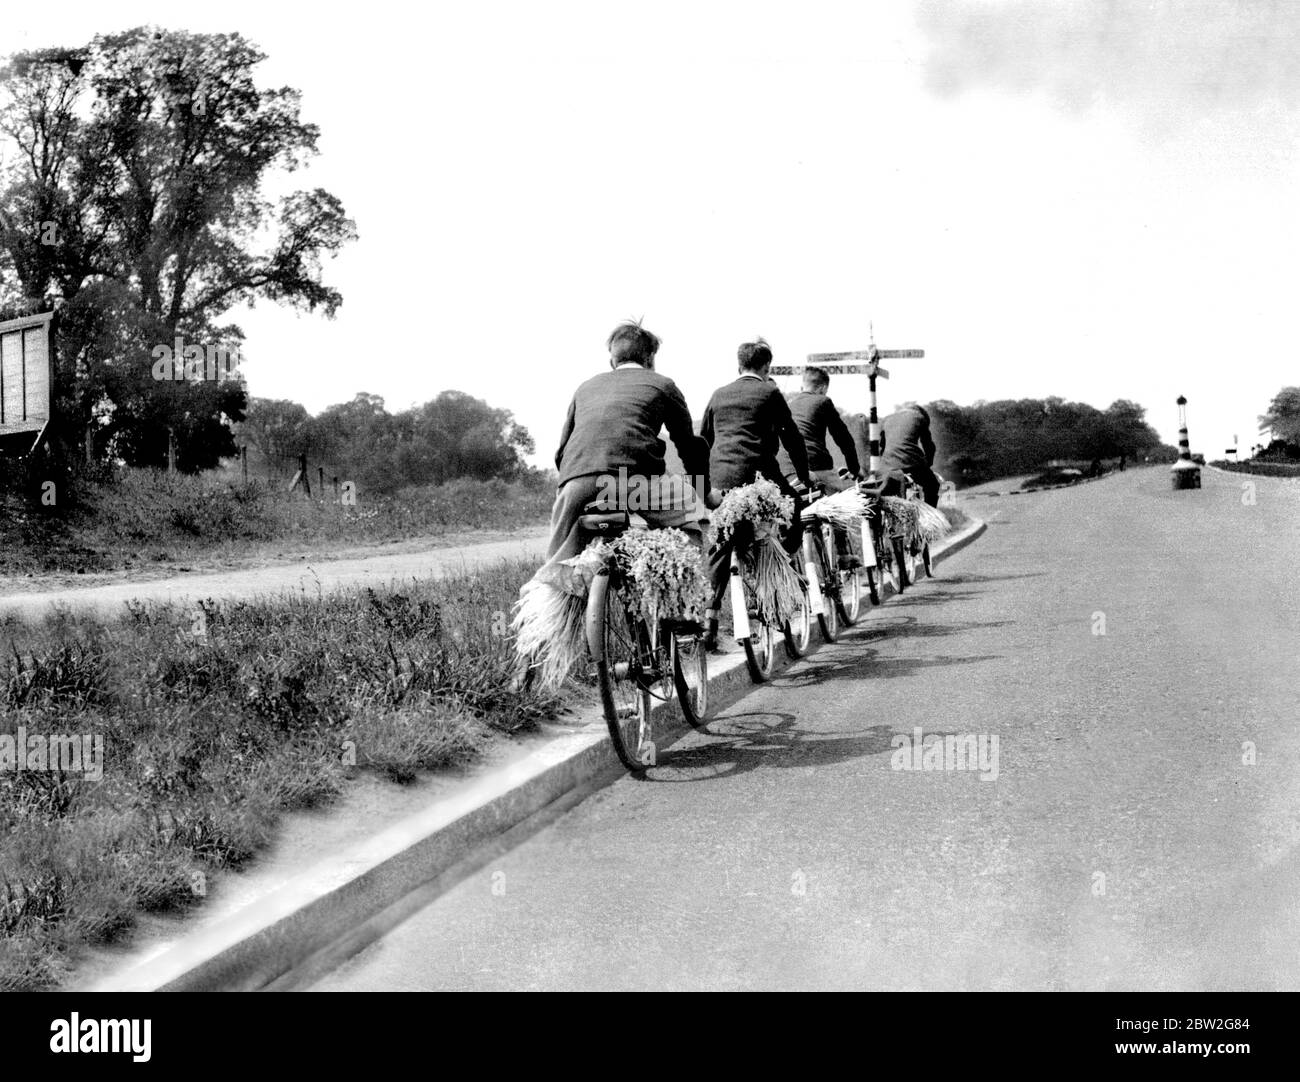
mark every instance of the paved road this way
{"type": "Point", "coordinates": [303, 575]}
{"type": "Point", "coordinates": [780, 850]}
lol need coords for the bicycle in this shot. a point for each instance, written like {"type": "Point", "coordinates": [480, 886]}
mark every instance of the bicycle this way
{"type": "Point", "coordinates": [637, 663]}
{"type": "Point", "coordinates": [888, 564]}
{"type": "Point", "coordinates": [760, 645]}
{"type": "Point", "coordinates": [913, 491]}
{"type": "Point", "coordinates": [836, 590]}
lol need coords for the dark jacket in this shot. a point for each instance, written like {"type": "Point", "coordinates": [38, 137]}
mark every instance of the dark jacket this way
{"type": "Point", "coordinates": [905, 440]}
{"type": "Point", "coordinates": [743, 425]}
{"type": "Point", "coordinates": [614, 421]}
{"type": "Point", "coordinates": [815, 415]}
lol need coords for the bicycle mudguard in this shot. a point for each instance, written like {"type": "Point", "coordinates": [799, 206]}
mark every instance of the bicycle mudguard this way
{"type": "Point", "coordinates": [739, 613]}
{"type": "Point", "coordinates": [868, 545]}
{"type": "Point", "coordinates": [595, 615]}
{"type": "Point", "coordinates": [816, 600]}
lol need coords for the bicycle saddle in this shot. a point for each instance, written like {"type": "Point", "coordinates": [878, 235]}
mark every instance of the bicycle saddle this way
{"type": "Point", "coordinates": [598, 518]}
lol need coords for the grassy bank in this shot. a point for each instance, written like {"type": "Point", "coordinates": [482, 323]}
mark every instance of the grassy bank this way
{"type": "Point", "coordinates": [216, 721]}
{"type": "Point", "coordinates": [129, 519]}
{"type": "Point", "coordinates": [1261, 469]}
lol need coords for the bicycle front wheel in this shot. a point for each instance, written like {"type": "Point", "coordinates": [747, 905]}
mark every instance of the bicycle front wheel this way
{"type": "Point", "coordinates": [618, 644]}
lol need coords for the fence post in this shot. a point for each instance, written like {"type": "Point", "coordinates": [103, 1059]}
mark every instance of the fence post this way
{"type": "Point", "coordinates": [320, 489]}
{"type": "Point", "coordinates": [171, 450]}
{"type": "Point", "coordinates": [243, 454]}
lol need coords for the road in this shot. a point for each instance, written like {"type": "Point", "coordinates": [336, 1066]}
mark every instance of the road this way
{"type": "Point", "coordinates": [1124, 843]}
{"type": "Point", "coordinates": [302, 575]}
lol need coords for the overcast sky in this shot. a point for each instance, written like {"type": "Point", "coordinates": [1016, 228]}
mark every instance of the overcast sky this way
{"type": "Point", "coordinates": [1096, 200]}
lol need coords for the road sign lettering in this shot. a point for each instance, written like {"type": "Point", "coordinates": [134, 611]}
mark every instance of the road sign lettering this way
{"type": "Point", "coordinates": [835, 369]}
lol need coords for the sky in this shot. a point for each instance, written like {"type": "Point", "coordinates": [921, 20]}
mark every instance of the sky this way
{"type": "Point", "coordinates": [1091, 200]}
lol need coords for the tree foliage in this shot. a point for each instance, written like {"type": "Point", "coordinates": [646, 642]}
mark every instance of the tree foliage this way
{"type": "Point", "coordinates": [453, 436]}
{"type": "Point", "coordinates": [1000, 439]}
{"type": "Point", "coordinates": [135, 196]}
{"type": "Point", "coordinates": [1283, 416]}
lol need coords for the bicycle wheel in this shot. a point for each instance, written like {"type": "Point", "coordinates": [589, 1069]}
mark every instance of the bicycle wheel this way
{"type": "Point", "coordinates": [690, 662]}
{"type": "Point", "coordinates": [828, 619]}
{"type": "Point", "coordinates": [760, 647]}
{"type": "Point", "coordinates": [900, 564]}
{"type": "Point", "coordinates": [617, 644]}
{"type": "Point", "coordinates": [874, 583]}
{"type": "Point", "coordinates": [850, 596]}
{"type": "Point", "coordinates": [798, 629]}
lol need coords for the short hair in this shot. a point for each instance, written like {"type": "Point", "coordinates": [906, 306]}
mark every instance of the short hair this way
{"type": "Point", "coordinates": [816, 377]}
{"type": "Point", "coordinates": [632, 342]}
{"type": "Point", "coordinates": [753, 355]}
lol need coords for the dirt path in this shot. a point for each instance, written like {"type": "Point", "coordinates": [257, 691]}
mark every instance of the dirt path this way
{"type": "Point", "coordinates": [309, 575]}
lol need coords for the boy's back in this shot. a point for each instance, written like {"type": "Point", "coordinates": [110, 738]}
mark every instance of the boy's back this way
{"type": "Point", "coordinates": [614, 422]}
{"type": "Point", "coordinates": [743, 425]}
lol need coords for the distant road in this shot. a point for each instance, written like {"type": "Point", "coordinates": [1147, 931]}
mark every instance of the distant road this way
{"type": "Point", "coordinates": [1123, 845]}
{"type": "Point", "coordinates": [301, 575]}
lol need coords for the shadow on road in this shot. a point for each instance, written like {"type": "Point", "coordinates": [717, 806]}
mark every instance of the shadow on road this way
{"type": "Point", "coordinates": [910, 626]}
{"type": "Point", "coordinates": [739, 743]}
{"type": "Point", "coordinates": [871, 666]}
{"type": "Point", "coordinates": [969, 577]}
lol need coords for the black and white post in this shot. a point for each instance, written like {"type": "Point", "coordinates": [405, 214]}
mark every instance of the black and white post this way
{"type": "Point", "coordinates": [1186, 473]}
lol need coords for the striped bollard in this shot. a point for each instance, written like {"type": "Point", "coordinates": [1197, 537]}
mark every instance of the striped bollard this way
{"type": "Point", "coordinates": [1185, 472]}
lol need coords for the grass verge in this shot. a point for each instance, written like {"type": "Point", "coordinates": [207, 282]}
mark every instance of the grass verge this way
{"type": "Point", "coordinates": [214, 722]}
{"type": "Point", "coordinates": [125, 519]}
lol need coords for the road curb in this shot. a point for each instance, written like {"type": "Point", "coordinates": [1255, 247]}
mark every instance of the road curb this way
{"type": "Point", "coordinates": [317, 911]}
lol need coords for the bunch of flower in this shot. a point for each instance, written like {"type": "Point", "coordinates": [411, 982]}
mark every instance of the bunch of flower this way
{"type": "Point", "coordinates": [760, 503]}
{"type": "Point", "coordinates": [665, 573]}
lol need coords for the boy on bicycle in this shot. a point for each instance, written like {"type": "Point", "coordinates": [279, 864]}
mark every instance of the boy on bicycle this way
{"type": "Point", "coordinates": [612, 431]}
{"type": "Point", "coordinates": [907, 446]}
{"type": "Point", "coordinates": [815, 416]}
{"type": "Point", "coordinates": [611, 434]}
{"type": "Point", "coordinates": [745, 422]}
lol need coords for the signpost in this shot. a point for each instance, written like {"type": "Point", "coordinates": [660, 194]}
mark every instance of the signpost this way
{"type": "Point", "coordinates": [26, 379]}
{"type": "Point", "coordinates": [843, 363]}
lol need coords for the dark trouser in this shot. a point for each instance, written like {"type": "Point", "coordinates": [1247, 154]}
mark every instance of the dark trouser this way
{"type": "Point", "coordinates": [567, 539]}
{"type": "Point", "coordinates": [923, 476]}
{"type": "Point", "coordinates": [720, 555]}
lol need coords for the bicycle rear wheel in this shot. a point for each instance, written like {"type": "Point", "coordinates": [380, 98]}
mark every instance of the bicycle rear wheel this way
{"type": "Point", "coordinates": [850, 596]}
{"type": "Point", "coordinates": [902, 581]}
{"type": "Point", "coordinates": [828, 617]}
{"type": "Point", "coordinates": [618, 643]}
{"type": "Point", "coordinates": [691, 676]}
{"type": "Point", "coordinates": [760, 647]}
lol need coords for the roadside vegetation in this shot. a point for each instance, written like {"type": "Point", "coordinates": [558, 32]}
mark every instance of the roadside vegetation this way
{"type": "Point", "coordinates": [217, 720]}
{"type": "Point", "coordinates": [129, 519]}
{"type": "Point", "coordinates": [1262, 469]}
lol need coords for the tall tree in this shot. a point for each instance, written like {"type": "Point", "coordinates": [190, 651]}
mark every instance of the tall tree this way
{"type": "Point", "coordinates": [1283, 416]}
{"type": "Point", "coordinates": [142, 160]}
